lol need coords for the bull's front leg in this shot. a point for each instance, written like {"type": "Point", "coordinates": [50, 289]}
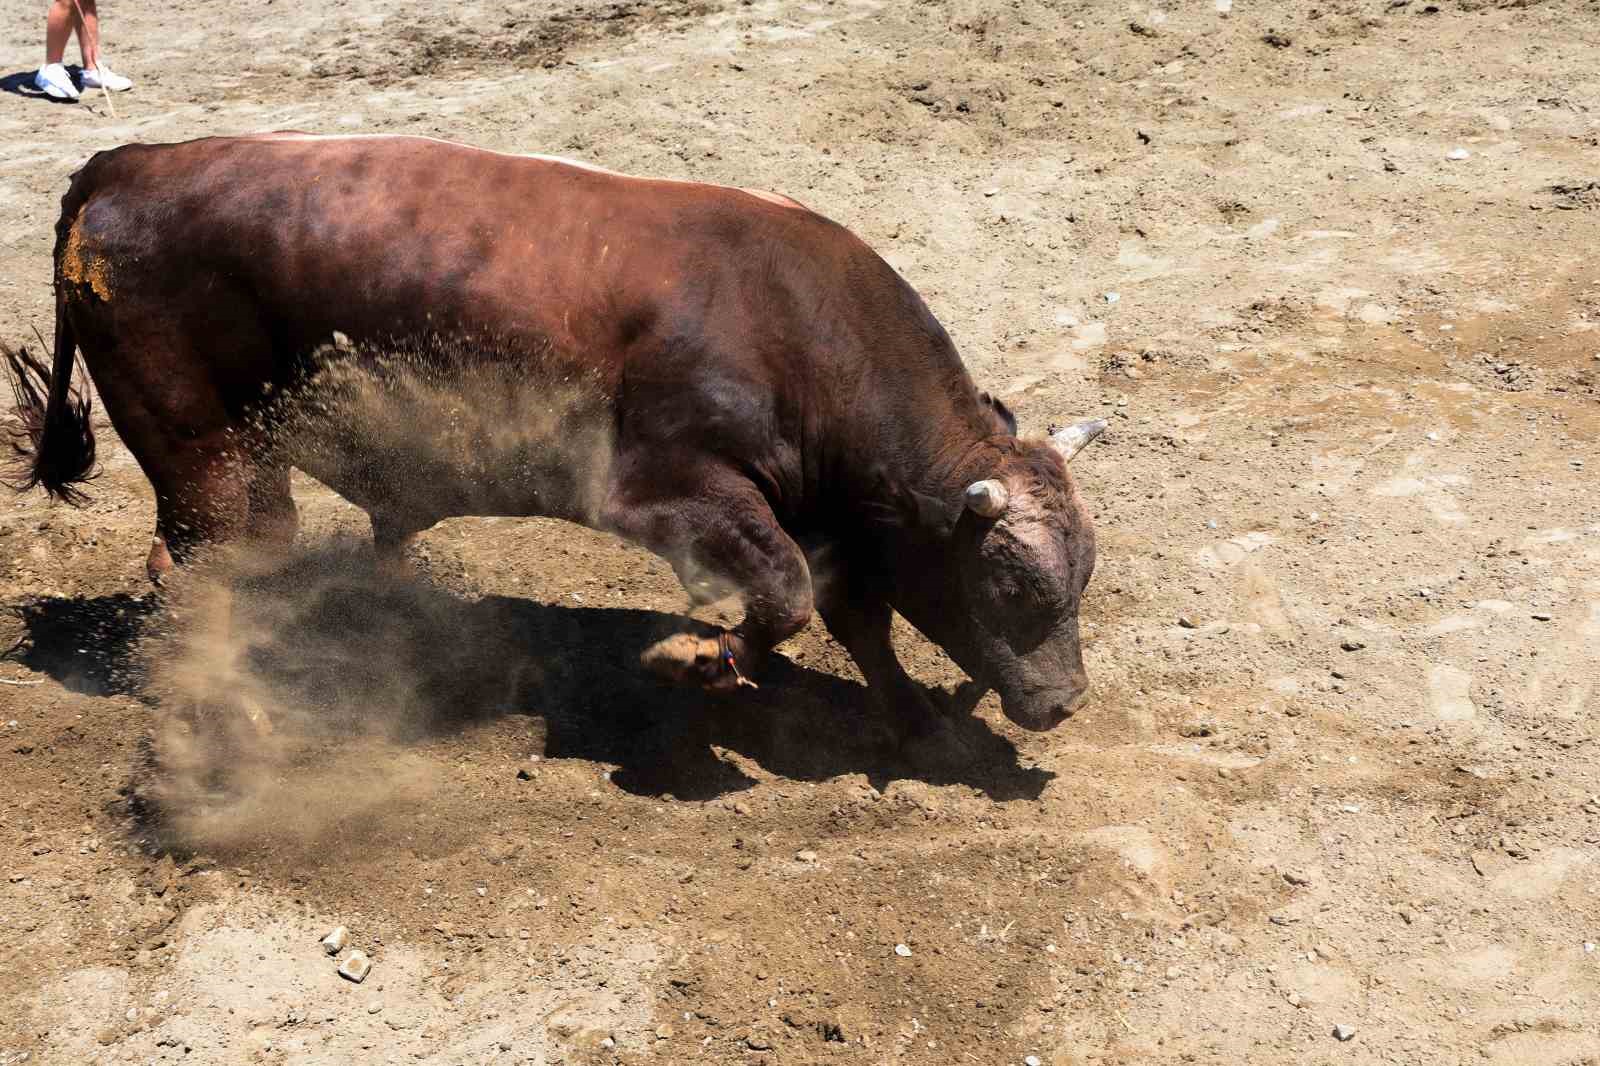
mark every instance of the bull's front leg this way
{"type": "Point", "coordinates": [859, 617]}
{"type": "Point", "coordinates": [722, 530]}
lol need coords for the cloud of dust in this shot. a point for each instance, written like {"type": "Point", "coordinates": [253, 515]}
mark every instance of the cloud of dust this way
{"type": "Point", "coordinates": [291, 689]}
{"type": "Point", "coordinates": [288, 701]}
{"type": "Point", "coordinates": [435, 427]}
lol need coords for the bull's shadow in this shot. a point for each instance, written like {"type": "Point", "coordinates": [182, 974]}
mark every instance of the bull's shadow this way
{"type": "Point", "coordinates": [339, 652]}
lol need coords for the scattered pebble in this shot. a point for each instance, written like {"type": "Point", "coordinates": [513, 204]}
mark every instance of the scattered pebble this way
{"type": "Point", "coordinates": [1296, 877]}
{"type": "Point", "coordinates": [1033, 1060]}
{"type": "Point", "coordinates": [336, 939]}
{"type": "Point", "coordinates": [1113, 297]}
{"type": "Point", "coordinates": [1540, 616]}
{"type": "Point", "coordinates": [990, 191]}
{"type": "Point", "coordinates": [902, 950]}
{"type": "Point", "coordinates": [355, 967]}
{"type": "Point", "coordinates": [1588, 947]}
{"type": "Point", "coordinates": [1294, 999]}
{"type": "Point", "coordinates": [608, 1043]}
{"type": "Point", "coordinates": [1186, 622]}
{"type": "Point", "coordinates": [806, 856]}
{"type": "Point", "coordinates": [1344, 1032]}
{"type": "Point", "coordinates": [1352, 645]}
{"type": "Point", "coordinates": [1455, 153]}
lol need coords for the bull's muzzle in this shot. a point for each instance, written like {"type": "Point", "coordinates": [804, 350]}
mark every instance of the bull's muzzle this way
{"type": "Point", "coordinates": [1044, 709]}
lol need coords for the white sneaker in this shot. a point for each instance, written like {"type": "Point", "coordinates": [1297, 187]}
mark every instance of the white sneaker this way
{"type": "Point", "coordinates": [93, 79]}
{"type": "Point", "coordinates": [54, 81]}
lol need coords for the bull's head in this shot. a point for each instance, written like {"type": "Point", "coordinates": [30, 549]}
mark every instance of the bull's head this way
{"type": "Point", "coordinates": [1021, 553]}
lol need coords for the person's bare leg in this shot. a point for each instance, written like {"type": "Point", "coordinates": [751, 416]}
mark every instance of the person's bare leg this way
{"type": "Point", "coordinates": [59, 23]}
{"type": "Point", "coordinates": [89, 34]}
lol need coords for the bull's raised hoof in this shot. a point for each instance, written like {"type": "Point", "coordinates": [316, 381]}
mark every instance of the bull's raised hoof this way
{"type": "Point", "coordinates": [711, 662]}
{"type": "Point", "coordinates": [712, 374]}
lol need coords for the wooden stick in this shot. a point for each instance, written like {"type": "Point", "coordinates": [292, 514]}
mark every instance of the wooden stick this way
{"type": "Point", "coordinates": [83, 28]}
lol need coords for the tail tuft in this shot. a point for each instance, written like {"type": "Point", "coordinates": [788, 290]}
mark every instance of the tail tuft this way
{"type": "Point", "coordinates": [49, 430]}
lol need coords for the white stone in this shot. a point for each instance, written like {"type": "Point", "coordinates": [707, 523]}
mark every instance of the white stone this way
{"type": "Point", "coordinates": [355, 967]}
{"type": "Point", "coordinates": [902, 950]}
{"type": "Point", "coordinates": [336, 939]}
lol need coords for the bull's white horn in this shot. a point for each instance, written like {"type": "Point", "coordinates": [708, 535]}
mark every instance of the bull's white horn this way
{"type": "Point", "coordinates": [1072, 440]}
{"type": "Point", "coordinates": [987, 498]}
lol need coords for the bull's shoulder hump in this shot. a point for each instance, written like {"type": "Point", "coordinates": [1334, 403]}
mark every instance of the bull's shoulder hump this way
{"type": "Point", "coordinates": [773, 198]}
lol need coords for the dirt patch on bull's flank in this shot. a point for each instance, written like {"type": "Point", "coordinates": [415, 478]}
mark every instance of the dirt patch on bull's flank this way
{"type": "Point", "coordinates": [1339, 766]}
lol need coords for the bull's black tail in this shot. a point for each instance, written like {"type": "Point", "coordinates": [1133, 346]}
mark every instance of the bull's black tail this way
{"type": "Point", "coordinates": [50, 430]}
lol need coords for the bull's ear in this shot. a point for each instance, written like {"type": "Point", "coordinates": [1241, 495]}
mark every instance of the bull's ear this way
{"type": "Point", "coordinates": [897, 505]}
{"type": "Point", "coordinates": [1007, 420]}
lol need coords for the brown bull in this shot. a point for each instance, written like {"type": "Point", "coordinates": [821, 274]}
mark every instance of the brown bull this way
{"type": "Point", "coordinates": [719, 375]}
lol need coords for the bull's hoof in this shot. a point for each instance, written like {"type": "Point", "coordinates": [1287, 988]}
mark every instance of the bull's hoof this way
{"type": "Point", "coordinates": [686, 659]}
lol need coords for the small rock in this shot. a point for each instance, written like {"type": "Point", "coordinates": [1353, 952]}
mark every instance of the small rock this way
{"type": "Point", "coordinates": [1294, 999]}
{"type": "Point", "coordinates": [1186, 622]}
{"type": "Point", "coordinates": [524, 775]}
{"type": "Point", "coordinates": [355, 967]}
{"type": "Point", "coordinates": [663, 1032]}
{"type": "Point", "coordinates": [1296, 877]}
{"type": "Point", "coordinates": [806, 856]}
{"type": "Point", "coordinates": [1352, 645]}
{"type": "Point", "coordinates": [1033, 1060]}
{"type": "Point", "coordinates": [608, 1043]}
{"type": "Point", "coordinates": [336, 939]}
{"type": "Point", "coordinates": [1113, 297]}
{"type": "Point", "coordinates": [1588, 947]}
{"type": "Point", "coordinates": [1540, 616]}
{"type": "Point", "coordinates": [757, 1043]}
{"type": "Point", "coordinates": [1325, 950]}
{"type": "Point", "coordinates": [1458, 154]}
{"type": "Point", "coordinates": [990, 192]}
{"type": "Point", "coordinates": [1344, 1032]}
{"type": "Point", "coordinates": [902, 950]}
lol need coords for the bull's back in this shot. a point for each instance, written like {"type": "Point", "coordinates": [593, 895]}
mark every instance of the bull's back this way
{"type": "Point", "coordinates": [383, 236]}
{"type": "Point", "coordinates": [253, 252]}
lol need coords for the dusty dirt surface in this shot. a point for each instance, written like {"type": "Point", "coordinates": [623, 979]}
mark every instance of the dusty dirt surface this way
{"type": "Point", "coordinates": [1340, 765]}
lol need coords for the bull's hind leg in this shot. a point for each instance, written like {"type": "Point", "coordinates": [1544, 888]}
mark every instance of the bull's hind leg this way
{"type": "Point", "coordinates": [721, 527]}
{"type": "Point", "coordinates": [391, 536]}
{"type": "Point", "coordinates": [203, 504]}
{"type": "Point", "coordinates": [273, 521]}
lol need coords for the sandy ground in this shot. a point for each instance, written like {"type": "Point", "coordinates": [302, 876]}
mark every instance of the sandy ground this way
{"type": "Point", "coordinates": [1340, 764]}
